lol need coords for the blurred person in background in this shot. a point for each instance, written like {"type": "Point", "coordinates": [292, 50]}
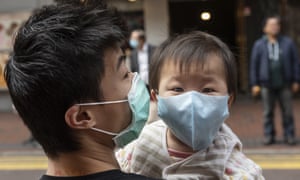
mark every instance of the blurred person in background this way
{"type": "Point", "coordinates": [274, 73]}
{"type": "Point", "coordinates": [69, 83]}
{"type": "Point", "coordinates": [141, 54]}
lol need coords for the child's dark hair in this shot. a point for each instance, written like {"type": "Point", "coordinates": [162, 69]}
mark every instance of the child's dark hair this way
{"type": "Point", "coordinates": [190, 48]}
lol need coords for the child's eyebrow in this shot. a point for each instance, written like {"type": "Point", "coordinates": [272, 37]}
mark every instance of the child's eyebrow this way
{"type": "Point", "coordinates": [180, 77]}
{"type": "Point", "coordinates": [175, 77]}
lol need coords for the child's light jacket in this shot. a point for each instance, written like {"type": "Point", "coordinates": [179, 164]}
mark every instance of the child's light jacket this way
{"type": "Point", "coordinates": [223, 159]}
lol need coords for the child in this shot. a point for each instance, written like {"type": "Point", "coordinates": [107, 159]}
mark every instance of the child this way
{"type": "Point", "coordinates": [193, 83]}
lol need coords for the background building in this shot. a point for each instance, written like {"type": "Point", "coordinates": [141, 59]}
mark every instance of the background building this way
{"type": "Point", "coordinates": [237, 22]}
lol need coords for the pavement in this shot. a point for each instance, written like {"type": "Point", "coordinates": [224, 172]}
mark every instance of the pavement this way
{"type": "Point", "coordinates": [245, 120]}
{"type": "Point", "coordinates": [278, 161]}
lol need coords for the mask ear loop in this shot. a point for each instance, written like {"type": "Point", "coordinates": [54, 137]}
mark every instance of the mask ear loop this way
{"type": "Point", "coordinates": [103, 131]}
{"type": "Point", "coordinates": [103, 103]}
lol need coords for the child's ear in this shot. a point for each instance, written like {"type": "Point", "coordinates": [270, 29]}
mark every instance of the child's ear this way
{"type": "Point", "coordinates": [153, 95]}
{"type": "Point", "coordinates": [77, 118]}
{"type": "Point", "coordinates": [230, 100]}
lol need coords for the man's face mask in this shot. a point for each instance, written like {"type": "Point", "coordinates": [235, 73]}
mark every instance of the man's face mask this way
{"type": "Point", "coordinates": [133, 43]}
{"type": "Point", "coordinates": [139, 101]}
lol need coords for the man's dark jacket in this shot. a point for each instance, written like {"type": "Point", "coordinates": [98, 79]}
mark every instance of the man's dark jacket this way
{"type": "Point", "coordinates": [134, 63]}
{"type": "Point", "coordinates": [259, 62]}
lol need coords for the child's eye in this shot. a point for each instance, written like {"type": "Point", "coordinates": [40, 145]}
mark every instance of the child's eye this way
{"type": "Point", "coordinates": [208, 90]}
{"type": "Point", "coordinates": [178, 89]}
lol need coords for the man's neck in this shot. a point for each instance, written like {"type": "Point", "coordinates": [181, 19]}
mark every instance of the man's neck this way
{"type": "Point", "coordinates": [82, 163]}
{"type": "Point", "coordinates": [272, 39]}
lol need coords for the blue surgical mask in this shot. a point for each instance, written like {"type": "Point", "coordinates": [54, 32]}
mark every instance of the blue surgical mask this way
{"type": "Point", "coordinates": [133, 43]}
{"type": "Point", "coordinates": [139, 101]}
{"type": "Point", "coordinates": [194, 118]}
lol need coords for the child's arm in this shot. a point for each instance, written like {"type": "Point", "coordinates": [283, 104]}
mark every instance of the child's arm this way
{"type": "Point", "coordinates": [240, 167]}
{"type": "Point", "coordinates": [237, 165]}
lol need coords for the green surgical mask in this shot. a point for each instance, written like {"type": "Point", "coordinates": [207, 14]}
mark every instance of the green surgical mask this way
{"type": "Point", "coordinates": [139, 102]}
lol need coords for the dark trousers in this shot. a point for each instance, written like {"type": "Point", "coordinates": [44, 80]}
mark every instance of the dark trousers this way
{"type": "Point", "coordinates": [284, 97]}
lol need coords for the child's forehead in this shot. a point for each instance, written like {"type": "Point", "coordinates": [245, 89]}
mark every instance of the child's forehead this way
{"type": "Point", "coordinates": [211, 63]}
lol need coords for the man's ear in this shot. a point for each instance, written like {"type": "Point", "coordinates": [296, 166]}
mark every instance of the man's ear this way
{"type": "Point", "coordinates": [230, 100]}
{"type": "Point", "coordinates": [153, 95]}
{"type": "Point", "coordinates": [77, 118]}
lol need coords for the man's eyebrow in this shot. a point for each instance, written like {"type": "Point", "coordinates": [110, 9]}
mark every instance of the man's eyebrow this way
{"type": "Point", "coordinates": [120, 61]}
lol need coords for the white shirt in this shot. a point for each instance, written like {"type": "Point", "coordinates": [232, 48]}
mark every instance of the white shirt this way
{"type": "Point", "coordinates": [273, 50]}
{"type": "Point", "coordinates": [143, 63]}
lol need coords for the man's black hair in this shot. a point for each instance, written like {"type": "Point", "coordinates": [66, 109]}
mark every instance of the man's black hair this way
{"type": "Point", "coordinates": [270, 16]}
{"type": "Point", "coordinates": [98, 3]}
{"type": "Point", "coordinates": [57, 61]}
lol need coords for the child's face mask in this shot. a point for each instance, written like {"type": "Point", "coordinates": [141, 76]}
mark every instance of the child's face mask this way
{"type": "Point", "coordinates": [139, 101]}
{"type": "Point", "coordinates": [193, 117]}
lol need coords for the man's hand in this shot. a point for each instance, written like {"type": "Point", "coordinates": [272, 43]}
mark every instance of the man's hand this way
{"type": "Point", "coordinates": [295, 87]}
{"type": "Point", "coordinates": [255, 91]}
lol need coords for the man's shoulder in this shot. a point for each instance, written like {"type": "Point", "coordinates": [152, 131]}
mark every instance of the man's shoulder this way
{"type": "Point", "coordinates": [151, 47]}
{"type": "Point", "coordinates": [285, 39]}
{"type": "Point", "coordinates": [260, 41]}
{"type": "Point", "coordinates": [107, 175]}
{"type": "Point", "coordinates": [133, 52]}
{"type": "Point", "coordinates": [131, 176]}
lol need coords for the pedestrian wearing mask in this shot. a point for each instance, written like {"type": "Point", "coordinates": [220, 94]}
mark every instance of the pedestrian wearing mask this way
{"type": "Point", "coordinates": [141, 55]}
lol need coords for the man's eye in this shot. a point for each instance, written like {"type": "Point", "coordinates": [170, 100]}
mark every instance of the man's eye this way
{"type": "Point", "coordinates": [123, 58]}
{"type": "Point", "coordinates": [126, 75]}
{"type": "Point", "coordinates": [178, 89]}
{"type": "Point", "coordinates": [208, 90]}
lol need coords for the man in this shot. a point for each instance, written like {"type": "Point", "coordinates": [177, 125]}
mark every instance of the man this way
{"type": "Point", "coordinates": [69, 83]}
{"type": "Point", "coordinates": [274, 72]}
{"type": "Point", "coordinates": [141, 54]}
